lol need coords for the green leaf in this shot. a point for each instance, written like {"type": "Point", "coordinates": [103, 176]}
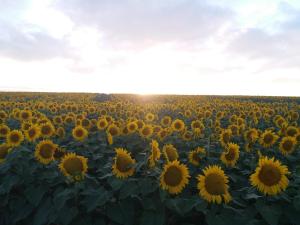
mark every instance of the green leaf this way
{"type": "Point", "coordinates": [128, 189]}
{"type": "Point", "coordinates": [61, 198]}
{"type": "Point", "coordinates": [35, 194]}
{"type": "Point", "coordinates": [270, 213]}
{"type": "Point", "coordinates": [66, 215]}
{"type": "Point", "coordinates": [41, 216]}
{"type": "Point", "coordinates": [115, 183]}
{"type": "Point", "coordinates": [94, 199]}
{"type": "Point", "coordinates": [122, 213]}
{"type": "Point", "coordinates": [296, 202]}
{"type": "Point", "coordinates": [182, 206]}
{"type": "Point", "coordinates": [152, 217]}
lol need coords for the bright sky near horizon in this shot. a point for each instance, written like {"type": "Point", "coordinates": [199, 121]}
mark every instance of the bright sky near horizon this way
{"type": "Point", "coordinates": [242, 47]}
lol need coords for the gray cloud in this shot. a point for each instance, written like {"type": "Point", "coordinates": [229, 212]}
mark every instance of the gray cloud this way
{"type": "Point", "coordinates": [131, 22]}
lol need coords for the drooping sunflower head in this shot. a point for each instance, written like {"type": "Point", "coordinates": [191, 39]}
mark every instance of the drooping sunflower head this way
{"type": "Point", "coordinates": [170, 152]}
{"type": "Point", "coordinates": [73, 166]}
{"type": "Point", "coordinates": [47, 130]}
{"type": "Point", "coordinates": [175, 177]}
{"type": "Point", "coordinates": [33, 133]}
{"type": "Point", "coordinates": [146, 131]}
{"type": "Point", "coordinates": [287, 145]}
{"type": "Point", "coordinates": [60, 132]}
{"type": "Point", "coordinates": [4, 130]}
{"type": "Point", "coordinates": [44, 151]}
{"type": "Point", "coordinates": [178, 125]}
{"type": "Point", "coordinates": [225, 137]}
{"type": "Point", "coordinates": [251, 135]}
{"type": "Point", "coordinates": [79, 133]}
{"type": "Point", "coordinates": [4, 150]}
{"type": "Point", "coordinates": [231, 154]}
{"type": "Point", "coordinates": [196, 155]}
{"type": "Point", "coordinates": [155, 153]}
{"type": "Point", "coordinates": [270, 176]}
{"type": "Point", "coordinates": [213, 185]}
{"type": "Point", "coordinates": [268, 138]}
{"type": "Point", "coordinates": [123, 166]}
{"type": "Point", "coordinates": [14, 138]}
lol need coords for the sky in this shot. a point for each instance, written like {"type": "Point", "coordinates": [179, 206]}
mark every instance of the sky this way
{"type": "Point", "coordinates": [230, 47]}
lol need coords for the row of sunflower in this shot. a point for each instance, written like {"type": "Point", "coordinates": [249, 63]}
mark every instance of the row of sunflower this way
{"type": "Point", "coordinates": [212, 147]}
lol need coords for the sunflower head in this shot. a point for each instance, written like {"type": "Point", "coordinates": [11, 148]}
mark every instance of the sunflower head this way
{"type": "Point", "coordinates": [170, 152]}
{"type": "Point", "coordinates": [251, 135]}
{"type": "Point", "coordinates": [73, 166]}
{"type": "Point", "coordinates": [4, 130]}
{"type": "Point", "coordinates": [60, 132]}
{"type": "Point", "coordinates": [79, 133]}
{"type": "Point", "coordinates": [47, 129]}
{"type": "Point", "coordinates": [270, 176]}
{"type": "Point", "coordinates": [155, 153]}
{"type": "Point", "coordinates": [114, 130]}
{"type": "Point", "coordinates": [213, 185]}
{"type": "Point", "coordinates": [123, 166]}
{"type": "Point", "coordinates": [175, 177]}
{"type": "Point", "coordinates": [44, 151]}
{"type": "Point", "coordinates": [225, 137]}
{"type": "Point", "coordinates": [14, 138]}
{"type": "Point", "coordinates": [132, 126]}
{"type": "Point", "coordinates": [178, 125]}
{"type": "Point", "coordinates": [187, 136]}
{"type": "Point", "coordinates": [146, 131]}
{"type": "Point", "coordinates": [231, 154]}
{"type": "Point", "coordinates": [268, 138]}
{"type": "Point", "coordinates": [33, 133]}
{"type": "Point", "coordinates": [287, 145]}
{"type": "Point", "coordinates": [196, 155]}
{"type": "Point", "coordinates": [166, 121]}
{"type": "Point", "coordinates": [291, 131]}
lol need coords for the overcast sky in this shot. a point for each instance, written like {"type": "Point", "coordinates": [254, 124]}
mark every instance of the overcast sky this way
{"type": "Point", "coordinates": [245, 47]}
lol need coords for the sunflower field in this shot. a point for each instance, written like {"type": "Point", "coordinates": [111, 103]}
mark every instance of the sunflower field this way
{"type": "Point", "coordinates": [83, 159]}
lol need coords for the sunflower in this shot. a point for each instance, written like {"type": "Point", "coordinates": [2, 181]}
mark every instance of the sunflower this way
{"type": "Point", "coordinates": [162, 134]}
{"type": "Point", "coordinates": [291, 131]}
{"type": "Point", "coordinates": [287, 145]}
{"type": "Point", "coordinates": [149, 117]}
{"type": "Point", "coordinates": [109, 138]}
{"type": "Point", "coordinates": [44, 151]}
{"type": "Point", "coordinates": [231, 155]}
{"type": "Point", "coordinates": [270, 176]}
{"type": "Point", "coordinates": [174, 177]}
{"type": "Point", "coordinates": [14, 138]}
{"type": "Point", "coordinates": [132, 126]}
{"type": "Point", "coordinates": [33, 133]}
{"type": "Point", "coordinates": [166, 121]}
{"type": "Point", "coordinates": [47, 129]}
{"type": "Point", "coordinates": [178, 125]}
{"type": "Point", "coordinates": [213, 185]}
{"type": "Point", "coordinates": [59, 153]}
{"type": "Point", "coordinates": [4, 130]}
{"type": "Point", "coordinates": [86, 123]}
{"type": "Point", "coordinates": [187, 135]}
{"type": "Point", "coordinates": [25, 125]}
{"type": "Point", "coordinates": [196, 155]}
{"type": "Point", "coordinates": [123, 164]}
{"type": "Point", "coordinates": [146, 131]}
{"type": "Point", "coordinates": [79, 133]}
{"type": "Point", "coordinates": [170, 152]}
{"type": "Point", "coordinates": [25, 115]}
{"type": "Point", "coordinates": [225, 137]}
{"type": "Point", "coordinates": [113, 130]}
{"type": "Point", "coordinates": [268, 138]}
{"type": "Point", "coordinates": [60, 132]}
{"type": "Point", "coordinates": [73, 166]}
{"type": "Point", "coordinates": [251, 135]}
{"type": "Point", "coordinates": [4, 150]}
{"type": "Point", "coordinates": [155, 153]}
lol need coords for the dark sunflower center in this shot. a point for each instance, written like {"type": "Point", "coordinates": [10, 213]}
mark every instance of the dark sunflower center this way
{"type": "Point", "coordinates": [123, 163]}
{"type": "Point", "coordinates": [73, 166]}
{"type": "Point", "coordinates": [46, 151]}
{"type": "Point", "coordinates": [230, 155]}
{"type": "Point", "coordinates": [196, 157]}
{"type": "Point", "coordinates": [288, 145]}
{"type": "Point", "coordinates": [14, 138]}
{"type": "Point", "coordinates": [268, 138]}
{"type": "Point", "coordinates": [79, 133]}
{"type": "Point", "coordinates": [215, 184]}
{"type": "Point", "coordinates": [146, 131]}
{"type": "Point", "coordinates": [46, 129]}
{"type": "Point", "coordinates": [226, 137]}
{"type": "Point", "coordinates": [291, 132]}
{"type": "Point", "coordinates": [31, 133]}
{"type": "Point", "coordinates": [177, 126]}
{"type": "Point", "coordinates": [269, 175]}
{"type": "Point", "coordinates": [113, 131]}
{"type": "Point", "coordinates": [173, 176]}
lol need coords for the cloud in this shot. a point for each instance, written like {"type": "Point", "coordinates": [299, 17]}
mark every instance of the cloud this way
{"type": "Point", "coordinates": [132, 22]}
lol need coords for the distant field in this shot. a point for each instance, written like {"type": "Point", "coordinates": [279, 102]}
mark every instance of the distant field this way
{"type": "Point", "coordinates": [148, 160]}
